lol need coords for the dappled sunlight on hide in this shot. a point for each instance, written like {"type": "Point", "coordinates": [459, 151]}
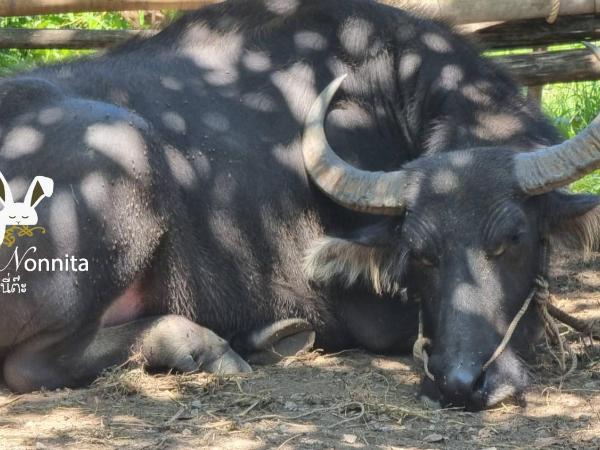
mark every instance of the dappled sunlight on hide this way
{"type": "Point", "coordinates": [410, 63]}
{"type": "Point", "coordinates": [470, 300]}
{"type": "Point", "coordinates": [445, 182]}
{"type": "Point", "coordinates": [297, 86]}
{"type": "Point", "coordinates": [174, 122]}
{"type": "Point", "coordinates": [287, 159]}
{"type": "Point", "coordinates": [64, 224]}
{"type": "Point", "coordinates": [259, 101]}
{"type": "Point", "coordinates": [181, 169]}
{"type": "Point", "coordinates": [256, 61]}
{"type": "Point", "coordinates": [476, 94]}
{"type": "Point", "coordinates": [94, 189]}
{"type": "Point", "coordinates": [171, 83]}
{"type": "Point", "coordinates": [282, 7]}
{"type": "Point", "coordinates": [356, 36]}
{"type": "Point", "coordinates": [310, 40]}
{"type": "Point", "coordinates": [51, 116]}
{"type": "Point", "coordinates": [460, 159]}
{"type": "Point", "coordinates": [224, 188]}
{"type": "Point", "coordinates": [351, 116]}
{"type": "Point", "coordinates": [450, 77]}
{"type": "Point", "coordinates": [216, 121]}
{"type": "Point", "coordinates": [201, 163]}
{"type": "Point", "coordinates": [436, 43]}
{"type": "Point", "coordinates": [218, 61]}
{"type": "Point", "coordinates": [122, 144]}
{"type": "Point", "coordinates": [497, 126]}
{"type": "Point", "coordinates": [21, 141]}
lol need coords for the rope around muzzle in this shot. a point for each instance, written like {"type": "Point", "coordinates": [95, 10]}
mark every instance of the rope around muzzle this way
{"type": "Point", "coordinates": [549, 314]}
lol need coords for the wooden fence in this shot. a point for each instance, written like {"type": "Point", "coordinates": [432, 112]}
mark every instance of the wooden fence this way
{"type": "Point", "coordinates": [517, 24]}
{"type": "Point", "coordinates": [457, 11]}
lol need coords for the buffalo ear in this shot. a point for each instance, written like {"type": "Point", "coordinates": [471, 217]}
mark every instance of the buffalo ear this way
{"type": "Point", "coordinates": [370, 256]}
{"type": "Point", "coordinates": [574, 220]}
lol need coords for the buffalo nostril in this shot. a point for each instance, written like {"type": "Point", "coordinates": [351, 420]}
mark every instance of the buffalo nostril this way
{"type": "Point", "coordinates": [459, 384]}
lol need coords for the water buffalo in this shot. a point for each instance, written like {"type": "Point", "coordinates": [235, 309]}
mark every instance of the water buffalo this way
{"type": "Point", "coordinates": [201, 219]}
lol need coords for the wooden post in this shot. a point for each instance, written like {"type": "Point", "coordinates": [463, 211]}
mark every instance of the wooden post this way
{"type": "Point", "coordinates": [535, 93]}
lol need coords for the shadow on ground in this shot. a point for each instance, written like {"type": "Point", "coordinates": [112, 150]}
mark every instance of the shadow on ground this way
{"type": "Point", "coordinates": [347, 400]}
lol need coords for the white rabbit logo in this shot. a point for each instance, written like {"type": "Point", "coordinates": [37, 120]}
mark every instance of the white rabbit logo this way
{"type": "Point", "coordinates": [22, 213]}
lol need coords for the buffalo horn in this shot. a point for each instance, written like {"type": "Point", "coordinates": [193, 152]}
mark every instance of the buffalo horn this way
{"type": "Point", "coordinates": [360, 190]}
{"type": "Point", "coordinates": [553, 167]}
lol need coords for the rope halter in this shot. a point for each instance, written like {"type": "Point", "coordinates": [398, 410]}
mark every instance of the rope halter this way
{"type": "Point", "coordinates": [549, 314]}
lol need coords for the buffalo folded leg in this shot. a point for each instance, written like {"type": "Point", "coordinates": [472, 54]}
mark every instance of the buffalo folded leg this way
{"type": "Point", "coordinates": [381, 325]}
{"type": "Point", "coordinates": [275, 341]}
{"type": "Point", "coordinates": [164, 342]}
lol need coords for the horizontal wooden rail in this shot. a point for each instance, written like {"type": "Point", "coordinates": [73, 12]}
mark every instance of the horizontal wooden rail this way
{"type": "Point", "coordinates": [36, 7]}
{"type": "Point", "coordinates": [539, 33]}
{"type": "Point", "coordinates": [456, 11]}
{"type": "Point", "coordinates": [552, 67]}
{"type": "Point", "coordinates": [531, 69]}
{"type": "Point", "coordinates": [472, 11]}
{"type": "Point", "coordinates": [529, 33]}
{"type": "Point", "coordinates": [66, 39]}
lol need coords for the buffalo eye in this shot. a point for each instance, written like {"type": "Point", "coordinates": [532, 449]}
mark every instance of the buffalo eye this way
{"type": "Point", "coordinates": [512, 241]}
{"type": "Point", "coordinates": [498, 251]}
{"type": "Point", "coordinates": [425, 260]}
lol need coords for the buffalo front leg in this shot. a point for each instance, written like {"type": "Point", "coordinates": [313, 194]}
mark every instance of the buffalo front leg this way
{"type": "Point", "coordinates": [163, 342]}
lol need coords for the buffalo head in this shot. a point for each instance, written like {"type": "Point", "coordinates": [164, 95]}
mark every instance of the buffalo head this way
{"type": "Point", "coordinates": [464, 233]}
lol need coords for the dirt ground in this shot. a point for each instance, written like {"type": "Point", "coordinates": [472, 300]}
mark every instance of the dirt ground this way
{"type": "Point", "coordinates": [348, 400]}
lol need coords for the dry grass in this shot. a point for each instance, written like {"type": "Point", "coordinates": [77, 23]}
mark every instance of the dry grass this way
{"type": "Point", "coordinates": [345, 400]}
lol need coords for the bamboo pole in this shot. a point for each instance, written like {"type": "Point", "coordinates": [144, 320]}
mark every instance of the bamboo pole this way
{"type": "Point", "coordinates": [39, 7]}
{"type": "Point", "coordinates": [456, 11]}
{"type": "Point", "coordinates": [473, 11]}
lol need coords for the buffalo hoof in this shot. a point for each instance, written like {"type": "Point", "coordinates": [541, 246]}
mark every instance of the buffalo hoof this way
{"type": "Point", "coordinates": [281, 339]}
{"type": "Point", "coordinates": [176, 343]}
{"type": "Point", "coordinates": [228, 364]}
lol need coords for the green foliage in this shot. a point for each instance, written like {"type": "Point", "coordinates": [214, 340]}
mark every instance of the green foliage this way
{"type": "Point", "coordinates": [12, 60]}
{"type": "Point", "coordinates": [573, 106]}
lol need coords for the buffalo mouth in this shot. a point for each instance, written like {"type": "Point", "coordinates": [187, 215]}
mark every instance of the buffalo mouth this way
{"type": "Point", "coordinates": [479, 400]}
{"type": "Point", "coordinates": [465, 380]}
